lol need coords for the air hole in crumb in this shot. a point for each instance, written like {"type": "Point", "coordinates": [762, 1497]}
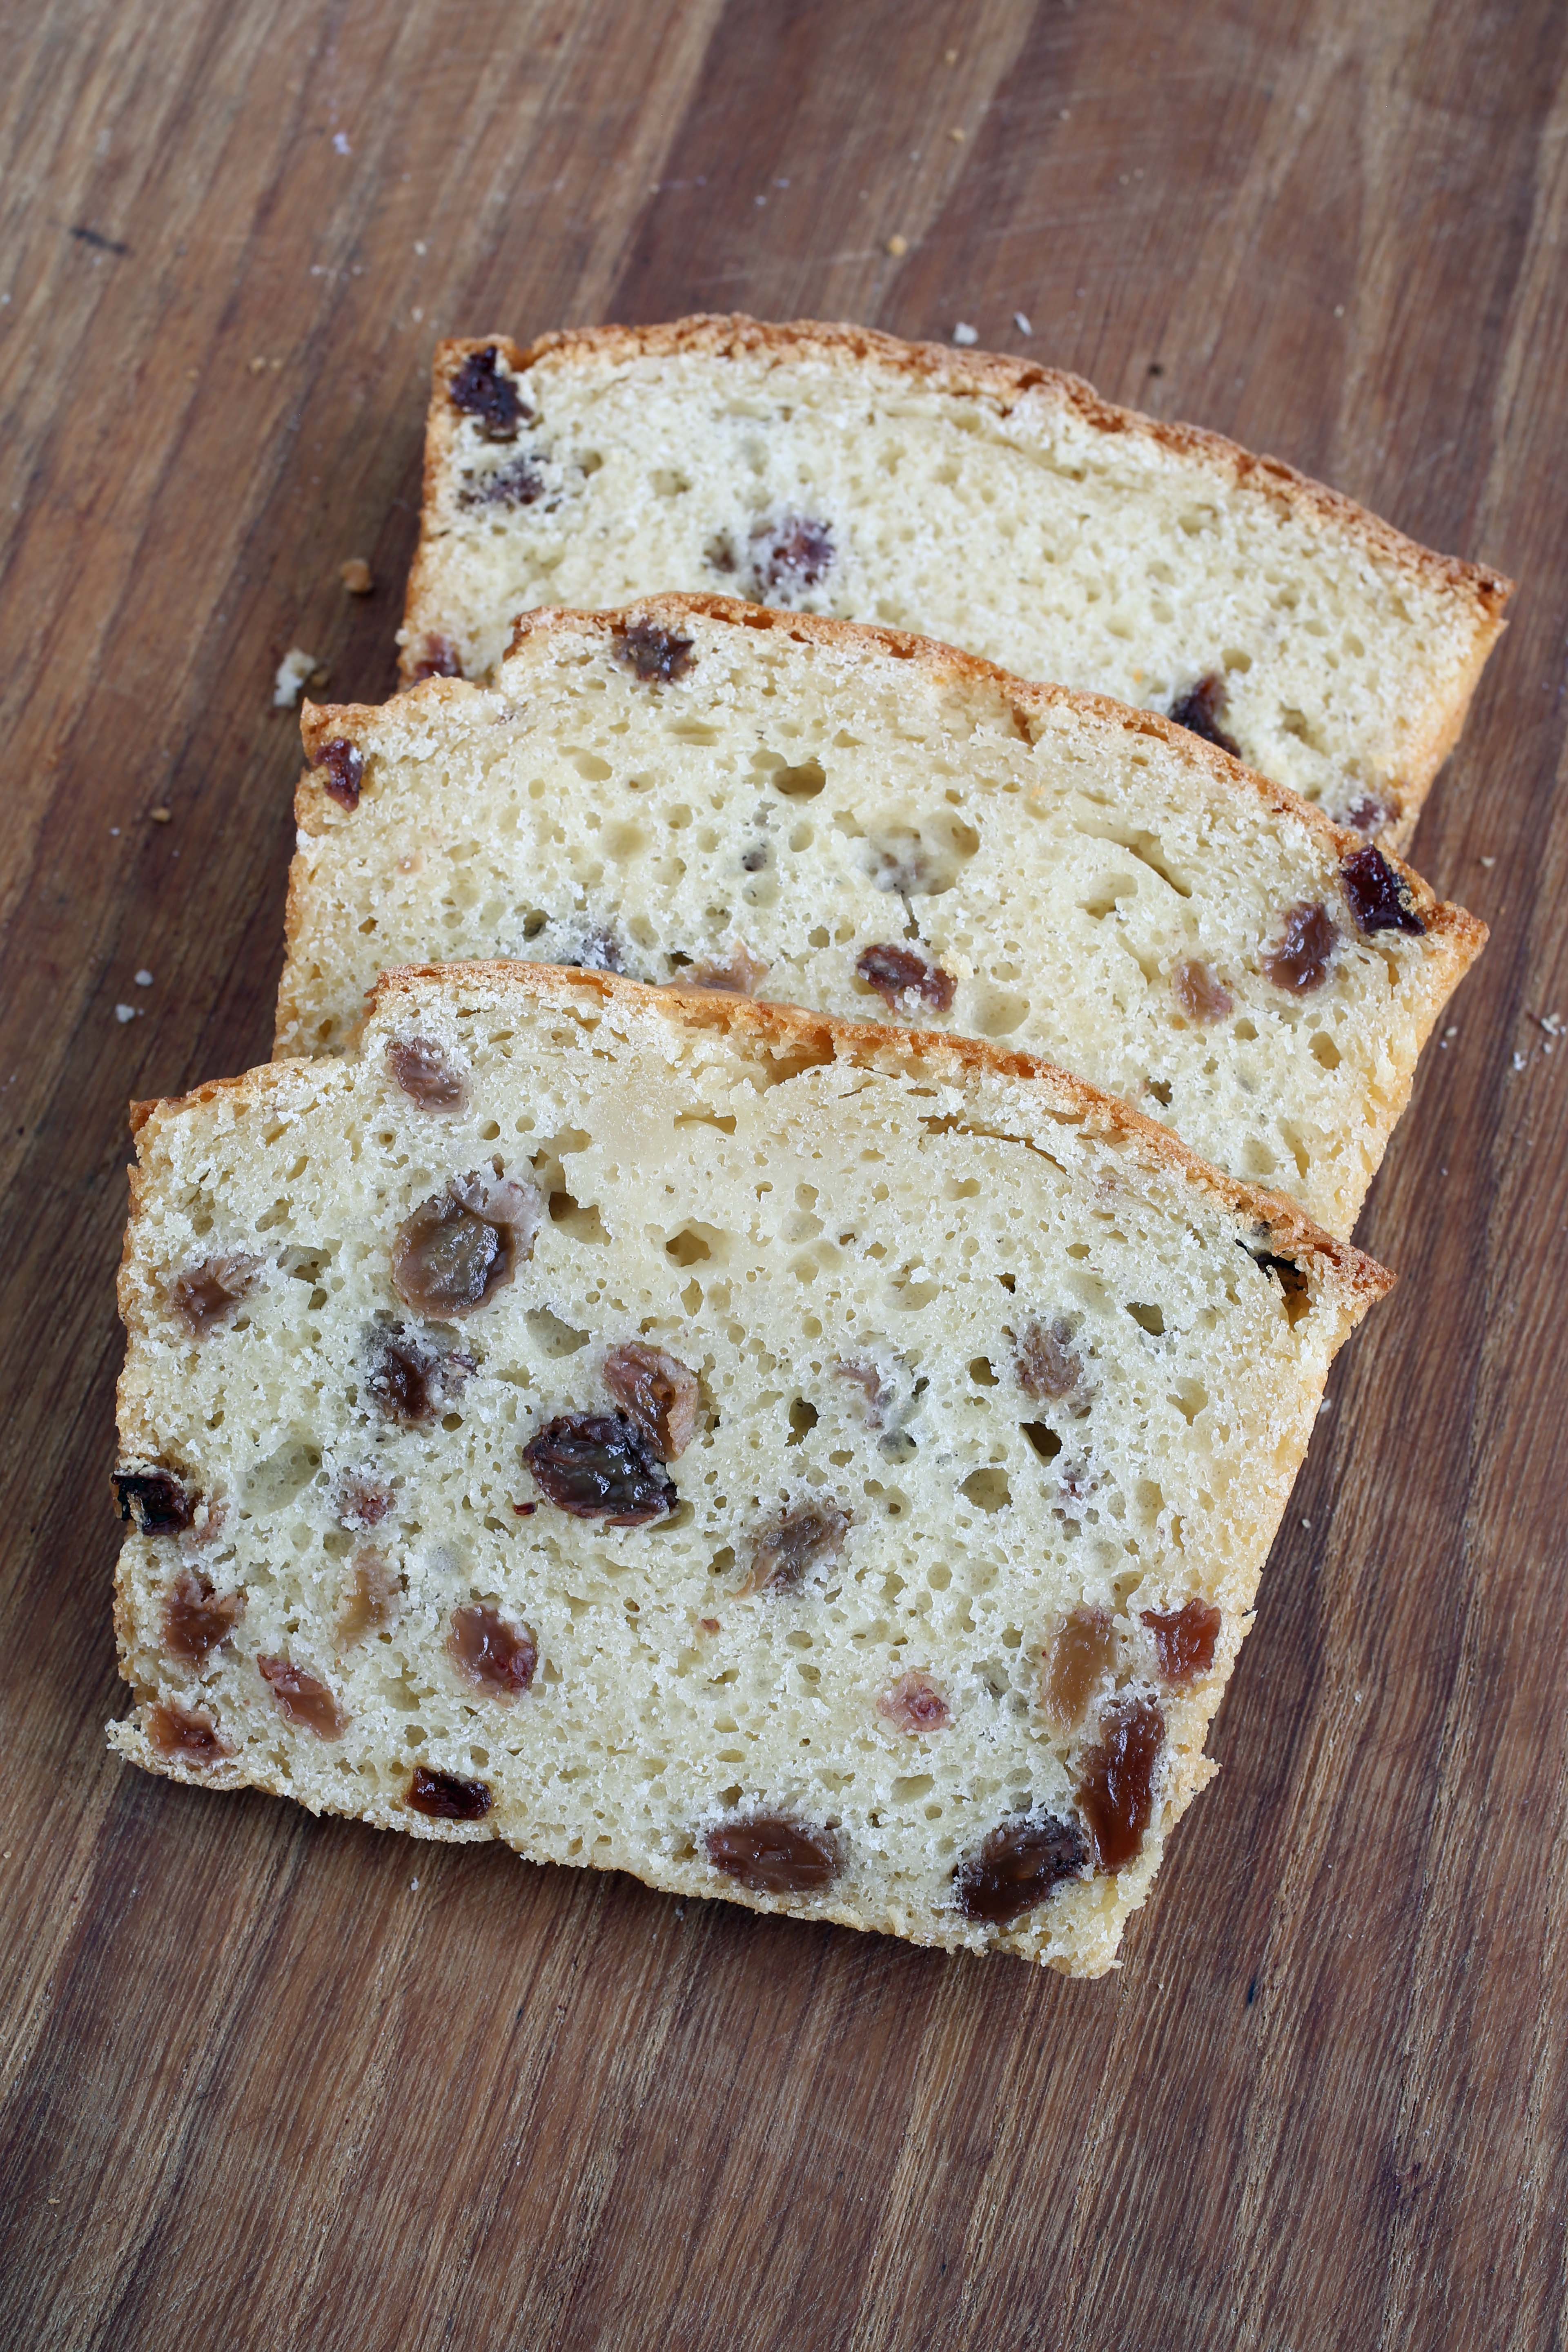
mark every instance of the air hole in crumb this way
{"type": "Point", "coordinates": [998, 1011]}
{"type": "Point", "coordinates": [1189, 1397]}
{"type": "Point", "coordinates": [987, 1489]}
{"type": "Point", "coordinates": [802, 783]}
{"type": "Point", "coordinates": [583, 1224]}
{"type": "Point", "coordinates": [554, 1337]}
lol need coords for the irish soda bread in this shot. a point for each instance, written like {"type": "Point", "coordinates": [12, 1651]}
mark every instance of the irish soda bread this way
{"type": "Point", "coordinates": [985, 501]}
{"type": "Point", "coordinates": [700, 792]}
{"type": "Point", "coordinates": [821, 1466]}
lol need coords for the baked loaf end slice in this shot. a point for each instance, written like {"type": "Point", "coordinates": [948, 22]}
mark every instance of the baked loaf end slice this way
{"type": "Point", "coordinates": [819, 1465]}
{"type": "Point", "coordinates": [700, 792]}
{"type": "Point", "coordinates": [985, 501]}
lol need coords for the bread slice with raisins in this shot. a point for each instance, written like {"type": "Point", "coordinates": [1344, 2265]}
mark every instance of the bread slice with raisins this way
{"type": "Point", "coordinates": [986, 501]}
{"type": "Point", "coordinates": [823, 1465]}
{"type": "Point", "coordinates": [697, 792]}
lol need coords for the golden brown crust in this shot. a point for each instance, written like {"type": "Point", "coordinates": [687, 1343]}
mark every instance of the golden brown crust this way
{"type": "Point", "coordinates": [148, 1117]}
{"type": "Point", "coordinates": [795, 1033]}
{"type": "Point", "coordinates": [993, 377]}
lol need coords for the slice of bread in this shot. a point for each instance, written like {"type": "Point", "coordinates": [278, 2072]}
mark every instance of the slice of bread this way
{"type": "Point", "coordinates": [702, 792]}
{"type": "Point", "coordinates": [823, 1465]}
{"type": "Point", "coordinates": [985, 501]}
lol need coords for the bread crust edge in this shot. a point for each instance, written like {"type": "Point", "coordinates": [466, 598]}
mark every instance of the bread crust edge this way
{"type": "Point", "coordinates": [1002, 379]}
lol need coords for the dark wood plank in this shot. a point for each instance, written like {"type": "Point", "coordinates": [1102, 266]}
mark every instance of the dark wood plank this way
{"type": "Point", "coordinates": [254, 2083]}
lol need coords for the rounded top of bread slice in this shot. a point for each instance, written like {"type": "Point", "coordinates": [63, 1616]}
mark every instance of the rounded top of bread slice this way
{"type": "Point", "coordinates": [700, 791]}
{"type": "Point", "coordinates": [981, 500]}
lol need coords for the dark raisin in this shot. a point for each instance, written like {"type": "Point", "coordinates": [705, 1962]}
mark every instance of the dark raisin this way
{"type": "Point", "coordinates": [791, 554]}
{"type": "Point", "coordinates": [481, 391]}
{"type": "Point", "coordinates": [740, 974]}
{"type": "Point", "coordinates": [1201, 996]}
{"type": "Point", "coordinates": [186, 1732]}
{"type": "Point", "coordinates": [196, 1619]}
{"type": "Point", "coordinates": [155, 1501]}
{"type": "Point", "coordinates": [770, 1856]}
{"type": "Point", "coordinates": [449, 1265]}
{"type": "Point", "coordinates": [894, 972]}
{"type": "Point", "coordinates": [1076, 1482]}
{"type": "Point", "coordinates": [907, 869]}
{"type": "Point", "coordinates": [521, 484]}
{"type": "Point", "coordinates": [1200, 710]}
{"type": "Point", "coordinates": [1378, 898]}
{"type": "Point", "coordinates": [1047, 1367]}
{"type": "Point", "coordinates": [439, 659]}
{"type": "Point", "coordinates": [1018, 1866]}
{"type": "Point", "coordinates": [600, 1466]}
{"type": "Point", "coordinates": [460, 1246]}
{"type": "Point", "coordinates": [442, 1797]}
{"type": "Point", "coordinates": [1367, 815]}
{"type": "Point", "coordinates": [362, 1500]}
{"type": "Point", "coordinates": [914, 1705]}
{"type": "Point", "coordinates": [1299, 958]}
{"type": "Point", "coordinates": [372, 1600]}
{"type": "Point", "coordinates": [659, 1392]}
{"type": "Point", "coordinates": [303, 1698]}
{"type": "Point", "coordinates": [408, 1379]}
{"type": "Point", "coordinates": [1116, 1792]}
{"type": "Point", "coordinates": [205, 1295]}
{"type": "Point", "coordinates": [1184, 1639]}
{"type": "Point", "coordinates": [493, 1655]}
{"type": "Point", "coordinates": [600, 950]}
{"type": "Point", "coordinates": [1082, 1653]}
{"type": "Point", "coordinates": [344, 765]}
{"type": "Point", "coordinates": [656, 655]}
{"type": "Point", "coordinates": [719, 554]}
{"type": "Point", "coordinates": [426, 1076]}
{"type": "Point", "coordinates": [869, 1380]}
{"type": "Point", "coordinates": [786, 1556]}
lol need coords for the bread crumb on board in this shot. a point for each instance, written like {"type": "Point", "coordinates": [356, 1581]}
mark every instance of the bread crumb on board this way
{"type": "Point", "coordinates": [294, 671]}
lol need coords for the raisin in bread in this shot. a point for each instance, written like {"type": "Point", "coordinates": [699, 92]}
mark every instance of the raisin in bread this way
{"type": "Point", "coordinates": [700, 792]}
{"type": "Point", "coordinates": [982, 501]}
{"type": "Point", "coordinates": [825, 1466]}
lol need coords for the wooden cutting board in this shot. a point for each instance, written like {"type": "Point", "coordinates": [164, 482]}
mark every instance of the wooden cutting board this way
{"type": "Point", "coordinates": [274, 2083]}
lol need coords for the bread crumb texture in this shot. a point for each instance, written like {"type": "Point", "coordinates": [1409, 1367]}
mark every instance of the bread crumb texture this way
{"type": "Point", "coordinates": [981, 501]}
{"type": "Point", "coordinates": [696, 793]}
{"type": "Point", "coordinates": [823, 1467]}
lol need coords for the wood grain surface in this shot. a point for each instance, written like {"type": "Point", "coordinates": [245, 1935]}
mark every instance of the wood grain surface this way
{"type": "Point", "coordinates": [259, 2089]}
